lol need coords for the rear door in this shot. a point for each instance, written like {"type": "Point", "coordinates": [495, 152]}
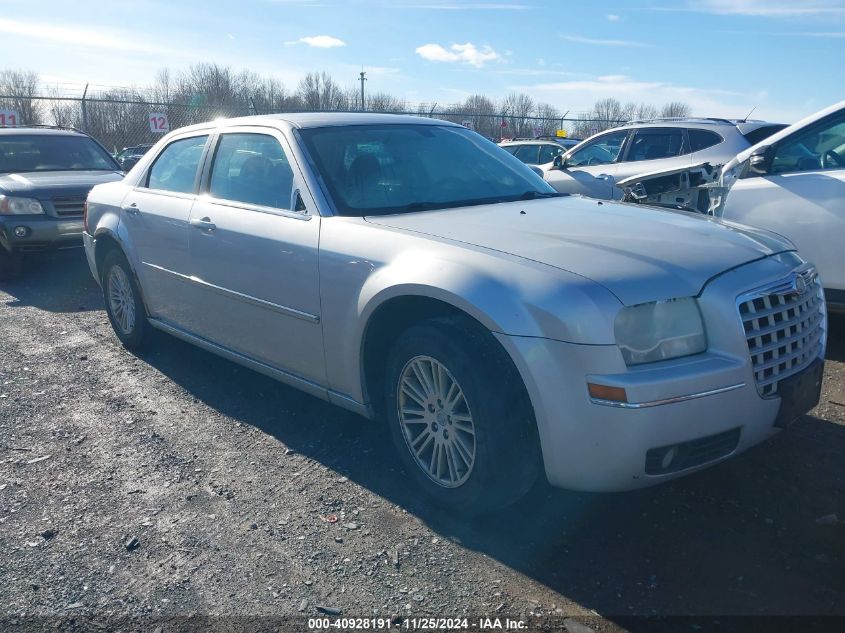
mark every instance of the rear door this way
{"type": "Point", "coordinates": [253, 236]}
{"type": "Point", "coordinates": [802, 197]}
{"type": "Point", "coordinates": [155, 214]}
{"type": "Point", "coordinates": [651, 149]}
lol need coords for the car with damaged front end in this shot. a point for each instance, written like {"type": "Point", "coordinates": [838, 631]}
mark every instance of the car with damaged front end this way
{"type": "Point", "coordinates": [413, 272]}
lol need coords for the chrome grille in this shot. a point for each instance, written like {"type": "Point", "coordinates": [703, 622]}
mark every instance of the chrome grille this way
{"type": "Point", "coordinates": [69, 206]}
{"type": "Point", "coordinates": [784, 327]}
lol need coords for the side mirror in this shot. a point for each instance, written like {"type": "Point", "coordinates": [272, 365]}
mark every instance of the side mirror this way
{"type": "Point", "coordinates": [558, 162]}
{"type": "Point", "coordinates": [760, 161]}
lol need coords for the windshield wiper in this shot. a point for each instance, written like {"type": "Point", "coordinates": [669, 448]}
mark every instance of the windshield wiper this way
{"type": "Point", "coordinates": [536, 195]}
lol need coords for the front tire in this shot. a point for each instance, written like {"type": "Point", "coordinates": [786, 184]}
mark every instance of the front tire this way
{"type": "Point", "coordinates": [459, 416]}
{"type": "Point", "coordinates": [123, 302]}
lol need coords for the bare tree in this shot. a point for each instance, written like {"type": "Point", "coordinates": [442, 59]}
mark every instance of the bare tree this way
{"type": "Point", "coordinates": [21, 86]}
{"type": "Point", "coordinates": [318, 91]}
{"type": "Point", "coordinates": [677, 109]}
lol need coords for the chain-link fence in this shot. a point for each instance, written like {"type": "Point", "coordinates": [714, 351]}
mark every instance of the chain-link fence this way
{"type": "Point", "coordinates": [120, 123]}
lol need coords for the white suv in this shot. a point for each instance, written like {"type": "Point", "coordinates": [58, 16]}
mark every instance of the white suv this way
{"type": "Point", "coordinates": [593, 167]}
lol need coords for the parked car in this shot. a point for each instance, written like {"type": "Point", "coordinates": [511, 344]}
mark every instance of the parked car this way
{"type": "Point", "coordinates": [408, 269]}
{"type": "Point", "coordinates": [793, 183]}
{"type": "Point", "coordinates": [540, 152]}
{"type": "Point", "coordinates": [129, 156]}
{"type": "Point", "coordinates": [45, 175]}
{"type": "Point", "coordinates": [593, 167]}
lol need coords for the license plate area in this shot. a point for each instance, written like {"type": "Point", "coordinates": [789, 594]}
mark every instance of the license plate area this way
{"type": "Point", "coordinates": [800, 393]}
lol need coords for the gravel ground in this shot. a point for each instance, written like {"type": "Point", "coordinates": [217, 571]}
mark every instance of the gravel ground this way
{"type": "Point", "coordinates": [176, 483]}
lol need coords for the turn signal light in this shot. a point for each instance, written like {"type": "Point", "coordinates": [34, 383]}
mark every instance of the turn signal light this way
{"type": "Point", "coordinates": [604, 392]}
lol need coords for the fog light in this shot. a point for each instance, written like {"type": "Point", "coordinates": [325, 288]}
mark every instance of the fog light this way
{"type": "Point", "coordinates": [669, 457]}
{"type": "Point", "coordinates": [605, 392]}
{"type": "Point", "coordinates": [21, 231]}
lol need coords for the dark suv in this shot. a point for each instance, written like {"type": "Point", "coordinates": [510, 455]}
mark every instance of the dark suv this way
{"type": "Point", "coordinates": [45, 176]}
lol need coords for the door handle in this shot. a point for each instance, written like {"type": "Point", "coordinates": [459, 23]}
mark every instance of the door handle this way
{"type": "Point", "coordinates": [203, 224]}
{"type": "Point", "coordinates": [604, 177]}
{"type": "Point", "coordinates": [131, 209]}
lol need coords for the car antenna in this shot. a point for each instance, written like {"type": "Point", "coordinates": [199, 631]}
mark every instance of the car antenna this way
{"type": "Point", "coordinates": [748, 115]}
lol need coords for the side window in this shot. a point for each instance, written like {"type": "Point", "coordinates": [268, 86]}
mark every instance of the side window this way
{"type": "Point", "coordinates": [175, 169]}
{"type": "Point", "coordinates": [602, 151]}
{"type": "Point", "coordinates": [702, 139]}
{"type": "Point", "coordinates": [527, 154]}
{"type": "Point", "coordinates": [656, 143]}
{"type": "Point", "coordinates": [251, 168]}
{"type": "Point", "coordinates": [819, 147]}
{"type": "Point", "coordinates": [511, 149]}
{"type": "Point", "coordinates": [548, 153]}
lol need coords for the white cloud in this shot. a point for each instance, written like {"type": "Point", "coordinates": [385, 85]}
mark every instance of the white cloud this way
{"type": "Point", "coordinates": [597, 42]}
{"type": "Point", "coordinates": [763, 8]}
{"type": "Point", "coordinates": [462, 53]}
{"type": "Point", "coordinates": [79, 36]}
{"type": "Point", "coordinates": [613, 17]}
{"type": "Point", "coordinates": [319, 41]}
{"type": "Point", "coordinates": [456, 6]}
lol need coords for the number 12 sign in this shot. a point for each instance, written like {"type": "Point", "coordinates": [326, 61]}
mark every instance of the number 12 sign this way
{"type": "Point", "coordinates": [159, 123]}
{"type": "Point", "coordinates": [9, 118]}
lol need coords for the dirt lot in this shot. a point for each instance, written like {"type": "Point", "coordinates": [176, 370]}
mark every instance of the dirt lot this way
{"type": "Point", "coordinates": [177, 483]}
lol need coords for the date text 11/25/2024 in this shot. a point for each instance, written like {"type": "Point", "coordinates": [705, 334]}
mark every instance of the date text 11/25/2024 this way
{"type": "Point", "coordinates": [416, 624]}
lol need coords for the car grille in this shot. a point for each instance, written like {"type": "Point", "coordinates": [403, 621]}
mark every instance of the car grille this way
{"type": "Point", "coordinates": [70, 206]}
{"type": "Point", "coordinates": [784, 327]}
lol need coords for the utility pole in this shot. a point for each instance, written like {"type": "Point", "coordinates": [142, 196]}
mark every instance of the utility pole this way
{"type": "Point", "coordinates": [363, 78]}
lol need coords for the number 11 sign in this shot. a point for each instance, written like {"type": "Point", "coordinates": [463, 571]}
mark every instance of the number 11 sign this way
{"type": "Point", "coordinates": [9, 118]}
{"type": "Point", "coordinates": [159, 123]}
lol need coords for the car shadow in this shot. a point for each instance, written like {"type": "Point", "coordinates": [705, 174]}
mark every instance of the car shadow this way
{"type": "Point", "coordinates": [58, 281]}
{"type": "Point", "coordinates": [740, 538]}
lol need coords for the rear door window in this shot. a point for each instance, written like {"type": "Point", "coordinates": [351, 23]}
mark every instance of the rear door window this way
{"type": "Point", "coordinates": [176, 167]}
{"type": "Point", "coordinates": [656, 143]}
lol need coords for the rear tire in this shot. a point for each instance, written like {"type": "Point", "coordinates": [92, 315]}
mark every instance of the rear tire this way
{"type": "Point", "coordinates": [123, 302]}
{"type": "Point", "coordinates": [11, 265]}
{"type": "Point", "coordinates": [459, 416]}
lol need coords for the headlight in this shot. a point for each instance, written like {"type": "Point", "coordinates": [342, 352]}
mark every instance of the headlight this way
{"type": "Point", "coordinates": [661, 330]}
{"type": "Point", "coordinates": [12, 205]}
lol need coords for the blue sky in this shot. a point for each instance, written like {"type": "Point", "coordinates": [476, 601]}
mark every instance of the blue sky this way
{"type": "Point", "coordinates": [723, 57]}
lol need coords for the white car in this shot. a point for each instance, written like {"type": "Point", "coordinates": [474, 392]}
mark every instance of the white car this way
{"type": "Point", "coordinates": [793, 183]}
{"type": "Point", "coordinates": [410, 270]}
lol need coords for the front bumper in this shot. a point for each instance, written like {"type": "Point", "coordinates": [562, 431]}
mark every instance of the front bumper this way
{"type": "Point", "coordinates": [685, 414]}
{"type": "Point", "coordinates": [43, 232]}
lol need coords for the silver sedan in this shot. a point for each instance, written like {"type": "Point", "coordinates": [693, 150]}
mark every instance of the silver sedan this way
{"type": "Point", "coordinates": [409, 270]}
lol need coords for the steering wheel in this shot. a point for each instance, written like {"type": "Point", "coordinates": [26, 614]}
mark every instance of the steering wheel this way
{"type": "Point", "coordinates": [832, 159]}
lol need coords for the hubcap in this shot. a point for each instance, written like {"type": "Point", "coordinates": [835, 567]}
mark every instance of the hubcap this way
{"type": "Point", "coordinates": [121, 300]}
{"type": "Point", "coordinates": [436, 421]}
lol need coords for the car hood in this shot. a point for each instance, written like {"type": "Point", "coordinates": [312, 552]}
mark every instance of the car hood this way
{"type": "Point", "coordinates": [639, 253]}
{"type": "Point", "coordinates": [53, 182]}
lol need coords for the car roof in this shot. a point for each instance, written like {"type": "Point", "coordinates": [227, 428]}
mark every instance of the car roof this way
{"type": "Point", "coordinates": [40, 131]}
{"type": "Point", "coordinates": [745, 126]}
{"type": "Point", "coordinates": [304, 120]}
{"type": "Point", "coordinates": [535, 141]}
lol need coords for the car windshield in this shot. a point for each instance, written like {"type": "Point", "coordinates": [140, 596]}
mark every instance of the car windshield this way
{"type": "Point", "coordinates": [45, 152]}
{"type": "Point", "coordinates": [401, 168]}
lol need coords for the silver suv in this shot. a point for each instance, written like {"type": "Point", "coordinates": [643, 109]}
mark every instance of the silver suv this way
{"type": "Point", "coordinates": [593, 167]}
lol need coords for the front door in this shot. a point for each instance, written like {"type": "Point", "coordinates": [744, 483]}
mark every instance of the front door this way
{"type": "Point", "coordinates": [253, 237]}
{"type": "Point", "coordinates": [591, 170]}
